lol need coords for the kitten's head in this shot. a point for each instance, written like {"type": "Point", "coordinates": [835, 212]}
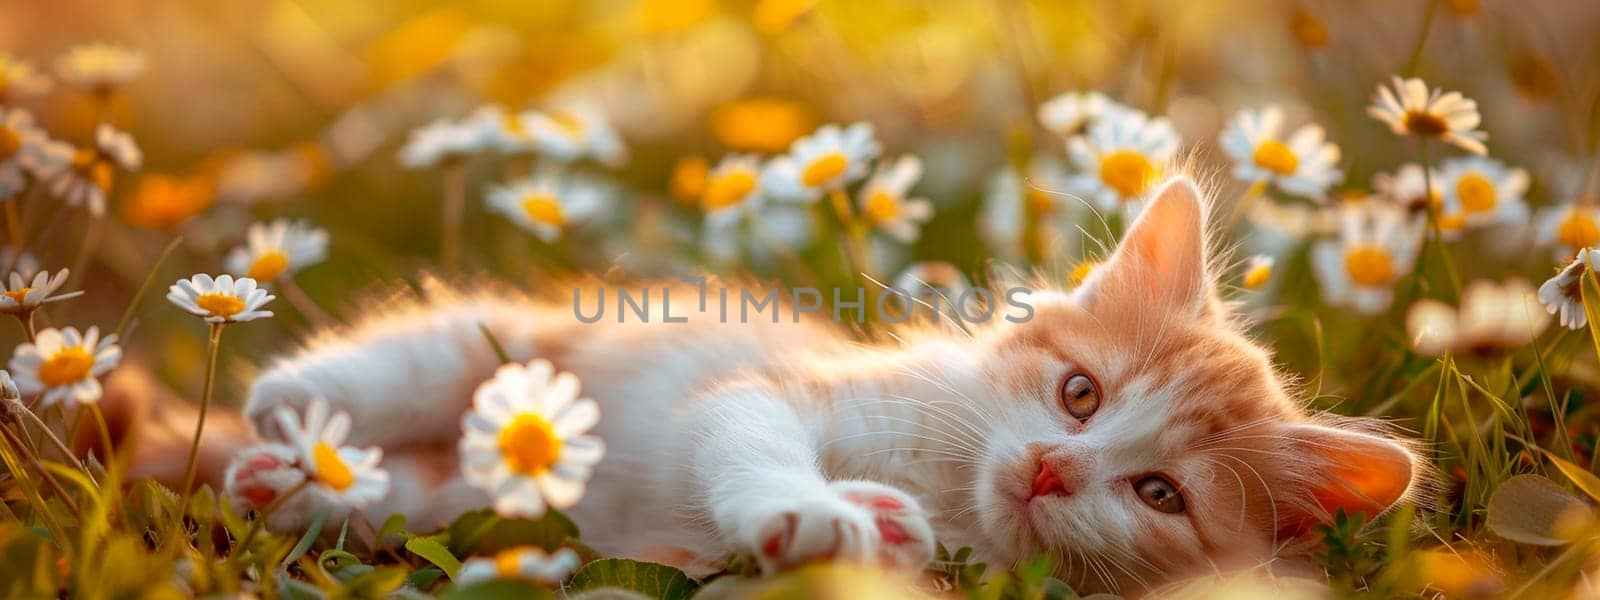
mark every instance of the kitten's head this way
{"type": "Point", "coordinates": [1136, 434]}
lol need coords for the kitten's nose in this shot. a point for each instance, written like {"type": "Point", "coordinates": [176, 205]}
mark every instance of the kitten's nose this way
{"type": "Point", "coordinates": [1046, 483]}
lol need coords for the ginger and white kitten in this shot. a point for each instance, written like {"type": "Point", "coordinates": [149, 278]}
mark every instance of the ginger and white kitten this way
{"type": "Point", "coordinates": [1129, 428]}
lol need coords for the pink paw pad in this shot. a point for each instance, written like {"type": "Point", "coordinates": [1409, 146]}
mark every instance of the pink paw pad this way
{"type": "Point", "coordinates": [886, 513]}
{"type": "Point", "coordinates": [246, 482]}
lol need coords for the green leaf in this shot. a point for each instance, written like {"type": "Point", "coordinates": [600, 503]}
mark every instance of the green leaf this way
{"type": "Point", "coordinates": [435, 552]}
{"type": "Point", "coordinates": [1579, 476]}
{"type": "Point", "coordinates": [497, 590]}
{"type": "Point", "coordinates": [395, 525]}
{"type": "Point", "coordinates": [375, 584]}
{"type": "Point", "coordinates": [650, 579]}
{"type": "Point", "coordinates": [306, 539]}
{"type": "Point", "coordinates": [484, 532]}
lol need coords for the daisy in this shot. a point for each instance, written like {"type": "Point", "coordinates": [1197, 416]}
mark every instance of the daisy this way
{"type": "Point", "coordinates": [350, 475]}
{"type": "Point", "coordinates": [441, 142]}
{"type": "Point", "coordinates": [934, 277]}
{"type": "Point", "coordinates": [1377, 245]}
{"type": "Point", "coordinates": [87, 178]}
{"type": "Point", "coordinates": [18, 78]}
{"type": "Point", "coordinates": [1121, 157]}
{"type": "Point", "coordinates": [1569, 228]}
{"type": "Point", "coordinates": [1407, 188]}
{"type": "Point", "coordinates": [884, 204]}
{"type": "Point", "coordinates": [23, 296]}
{"type": "Point", "coordinates": [825, 161]}
{"type": "Point", "coordinates": [548, 204]}
{"type": "Point", "coordinates": [505, 130]}
{"type": "Point", "coordinates": [8, 386]}
{"type": "Point", "coordinates": [23, 263]}
{"type": "Point", "coordinates": [1562, 295]}
{"type": "Point", "coordinates": [220, 300]}
{"type": "Point", "coordinates": [1258, 271]}
{"type": "Point", "coordinates": [1411, 109]}
{"type": "Point", "coordinates": [1481, 192]}
{"type": "Point", "coordinates": [732, 187]}
{"type": "Point", "coordinates": [1493, 317]}
{"type": "Point", "coordinates": [1067, 114]}
{"type": "Point", "coordinates": [18, 136]}
{"type": "Point", "coordinates": [100, 68]}
{"type": "Point", "coordinates": [65, 365]}
{"type": "Point", "coordinates": [528, 563]}
{"type": "Point", "coordinates": [1009, 198]}
{"type": "Point", "coordinates": [524, 443]}
{"type": "Point", "coordinates": [575, 131]}
{"type": "Point", "coordinates": [1303, 164]}
{"type": "Point", "coordinates": [278, 249]}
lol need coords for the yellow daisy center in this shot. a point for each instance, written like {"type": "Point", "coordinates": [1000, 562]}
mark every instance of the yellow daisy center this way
{"type": "Point", "coordinates": [1257, 276]}
{"type": "Point", "coordinates": [1082, 271]}
{"type": "Point", "coordinates": [1127, 171]}
{"type": "Point", "coordinates": [529, 444]}
{"type": "Point", "coordinates": [727, 190]}
{"type": "Point", "coordinates": [882, 207]}
{"type": "Point", "coordinates": [568, 123]}
{"type": "Point", "coordinates": [1578, 230]}
{"type": "Point", "coordinates": [268, 265]}
{"type": "Point", "coordinates": [542, 208]}
{"type": "Point", "coordinates": [219, 305]}
{"type": "Point", "coordinates": [824, 169]}
{"type": "Point", "coordinates": [1274, 156]}
{"type": "Point", "coordinates": [1369, 265]}
{"type": "Point", "coordinates": [1452, 222]}
{"type": "Point", "coordinates": [508, 563]}
{"type": "Point", "coordinates": [89, 164]}
{"type": "Point", "coordinates": [69, 365]}
{"type": "Point", "coordinates": [10, 143]}
{"type": "Point", "coordinates": [329, 468]}
{"type": "Point", "coordinates": [18, 294]}
{"type": "Point", "coordinates": [1476, 193]}
{"type": "Point", "coordinates": [513, 126]}
{"type": "Point", "coordinates": [1425, 123]}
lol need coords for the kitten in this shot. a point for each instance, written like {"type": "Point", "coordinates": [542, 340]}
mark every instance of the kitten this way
{"type": "Point", "coordinates": [1129, 428]}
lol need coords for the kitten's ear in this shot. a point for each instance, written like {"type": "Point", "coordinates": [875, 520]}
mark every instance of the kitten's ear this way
{"type": "Point", "coordinates": [1351, 471]}
{"type": "Point", "coordinates": [1161, 262]}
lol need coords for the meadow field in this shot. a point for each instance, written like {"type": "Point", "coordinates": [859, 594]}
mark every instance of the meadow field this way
{"type": "Point", "coordinates": [1405, 191]}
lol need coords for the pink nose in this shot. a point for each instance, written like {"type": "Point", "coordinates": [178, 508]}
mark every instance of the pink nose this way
{"type": "Point", "coordinates": [1046, 483]}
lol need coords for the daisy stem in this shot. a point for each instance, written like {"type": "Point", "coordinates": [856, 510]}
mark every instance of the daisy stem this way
{"type": "Point", "coordinates": [855, 241]}
{"type": "Point", "coordinates": [55, 486]}
{"type": "Point", "coordinates": [1433, 224]}
{"type": "Point", "coordinates": [8, 454]}
{"type": "Point", "coordinates": [91, 241]}
{"type": "Point", "coordinates": [51, 435]}
{"type": "Point", "coordinates": [303, 303]}
{"type": "Point", "coordinates": [261, 517]}
{"type": "Point", "coordinates": [104, 429]}
{"type": "Point", "coordinates": [14, 227]}
{"type": "Point", "coordinates": [133, 304]}
{"type": "Point", "coordinates": [1245, 202]}
{"type": "Point", "coordinates": [25, 319]}
{"type": "Point", "coordinates": [1415, 59]}
{"type": "Point", "coordinates": [200, 424]}
{"type": "Point", "coordinates": [455, 198]}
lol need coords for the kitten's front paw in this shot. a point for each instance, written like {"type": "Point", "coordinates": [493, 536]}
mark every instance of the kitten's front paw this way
{"type": "Point", "coordinates": [259, 474]}
{"type": "Point", "coordinates": [856, 521]}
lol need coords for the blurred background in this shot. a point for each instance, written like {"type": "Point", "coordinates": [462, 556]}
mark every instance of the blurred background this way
{"type": "Point", "coordinates": [256, 109]}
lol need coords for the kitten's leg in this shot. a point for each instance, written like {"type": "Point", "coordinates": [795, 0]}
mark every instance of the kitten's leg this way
{"type": "Point", "coordinates": [753, 463]}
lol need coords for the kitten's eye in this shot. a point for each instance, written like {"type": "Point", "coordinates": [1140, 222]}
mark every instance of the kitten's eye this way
{"type": "Point", "coordinates": [1159, 493]}
{"type": "Point", "coordinates": [1080, 397]}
